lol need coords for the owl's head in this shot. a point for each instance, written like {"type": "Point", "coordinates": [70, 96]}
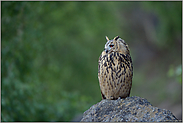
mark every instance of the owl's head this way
{"type": "Point", "coordinates": [116, 45]}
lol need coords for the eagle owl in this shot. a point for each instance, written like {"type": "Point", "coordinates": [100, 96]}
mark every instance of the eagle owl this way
{"type": "Point", "coordinates": [115, 70]}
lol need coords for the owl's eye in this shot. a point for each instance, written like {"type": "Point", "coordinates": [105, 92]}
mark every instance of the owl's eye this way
{"type": "Point", "coordinates": [111, 45]}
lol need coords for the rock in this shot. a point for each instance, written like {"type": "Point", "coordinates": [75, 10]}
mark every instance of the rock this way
{"type": "Point", "coordinates": [132, 109]}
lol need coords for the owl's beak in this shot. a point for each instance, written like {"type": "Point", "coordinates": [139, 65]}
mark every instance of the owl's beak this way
{"type": "Point", "coordinates": [106, 50]}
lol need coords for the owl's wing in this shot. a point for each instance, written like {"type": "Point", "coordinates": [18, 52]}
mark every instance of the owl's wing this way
{"type": "Point", "coordinates": [99, 64]}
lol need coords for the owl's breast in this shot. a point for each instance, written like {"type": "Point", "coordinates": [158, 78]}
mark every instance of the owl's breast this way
{"type": "Point", "coordinates": [116, 65]}
{"type": "Point", "coordinates": [115, 75]}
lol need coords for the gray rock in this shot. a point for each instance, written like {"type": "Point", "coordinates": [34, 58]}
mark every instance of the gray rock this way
{"type": "Point", "coordinates": [133, 109]}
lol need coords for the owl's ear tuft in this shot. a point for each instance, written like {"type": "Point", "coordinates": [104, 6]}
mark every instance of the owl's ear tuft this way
{"type": "Point", "coordinates": [107, 38]}
{"type": "Point", "coordinates": [116, 38]}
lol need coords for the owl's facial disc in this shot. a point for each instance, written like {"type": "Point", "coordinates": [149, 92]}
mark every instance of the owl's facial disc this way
{"type": "Point", "coordinates": [116, 45]}
{"type": "Point", "coordinates": [109, 46]}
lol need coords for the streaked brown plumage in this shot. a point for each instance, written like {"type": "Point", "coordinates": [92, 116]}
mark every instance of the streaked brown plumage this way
{"type": "Point", "coordinates": [115, 70]}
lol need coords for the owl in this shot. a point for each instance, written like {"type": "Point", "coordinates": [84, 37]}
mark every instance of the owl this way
{"type": "Point", "coordinates": [115, 70]}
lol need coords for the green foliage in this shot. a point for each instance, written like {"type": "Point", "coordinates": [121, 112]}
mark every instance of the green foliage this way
{"type": "Point", "coordinates": [50, 53]}
{"type": "Point", "coordinates": [175, 72]}
{"type": "Point", "coordinates": [49, 67]}
{"type": "Point", "coordinates": [169, 24]}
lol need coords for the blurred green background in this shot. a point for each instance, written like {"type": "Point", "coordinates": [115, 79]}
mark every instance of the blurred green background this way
{"type": "Point", "coordinates": [50, 51]}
